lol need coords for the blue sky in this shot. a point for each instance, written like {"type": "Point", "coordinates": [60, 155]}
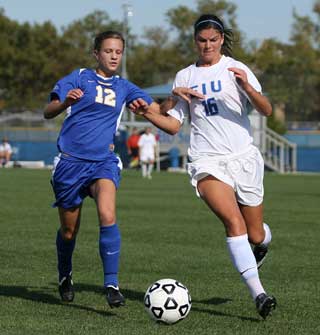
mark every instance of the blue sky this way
{"type": "Point", "coordinates": [257, 19]}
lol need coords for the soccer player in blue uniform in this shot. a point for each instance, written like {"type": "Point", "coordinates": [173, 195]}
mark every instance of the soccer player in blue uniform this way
{"type": "Point", "coordinates": [86, 164]}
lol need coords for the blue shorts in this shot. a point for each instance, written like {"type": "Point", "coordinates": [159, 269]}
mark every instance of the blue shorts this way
{"type": "Point", "coordinates": [72, 177]}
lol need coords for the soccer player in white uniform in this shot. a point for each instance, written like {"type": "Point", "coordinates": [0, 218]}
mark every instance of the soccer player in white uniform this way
{"type": "Point", "coordinates": [225, 168]}
{"type": "Point", "coordinates": [5, 152]}
{"type": "Point", "coordinates": [147, 150]}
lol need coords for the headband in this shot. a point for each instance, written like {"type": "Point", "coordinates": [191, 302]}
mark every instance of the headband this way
{"type": "Point", "coordinates": [212, 21]}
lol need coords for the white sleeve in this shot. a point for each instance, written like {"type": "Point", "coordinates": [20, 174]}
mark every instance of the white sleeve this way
{"type": "Point", "coordinates": [182, 107]}
{"type": "Point", "coordinates": [179, 110]}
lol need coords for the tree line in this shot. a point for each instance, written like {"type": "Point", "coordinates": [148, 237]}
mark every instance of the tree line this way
{"type": "Point", "coordinates": [34, 56]}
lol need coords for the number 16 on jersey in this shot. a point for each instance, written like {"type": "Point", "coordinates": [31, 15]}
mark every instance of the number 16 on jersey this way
{"type": "Point", "coordinates": [210, 106]}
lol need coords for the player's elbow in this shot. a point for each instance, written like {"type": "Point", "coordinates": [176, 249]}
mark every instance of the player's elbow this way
{"type": "Point", "coordinates": [47, 115]}
{"type": "Point", "coordinates": [268, 110]}
{"type": "Point", "coordinates": [171, 132]}
{"type": "Point", "coordinates": [174, 129]}
{"type": "Point", "coordinates": [265, 107]}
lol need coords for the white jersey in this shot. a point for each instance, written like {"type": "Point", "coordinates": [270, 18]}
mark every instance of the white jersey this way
{"type": "Point", "coordinates": [5, 147]}
{"type": "Point", "coordinates": [147, 143]}
{"type": "Point", "coordinates": [219, 124]}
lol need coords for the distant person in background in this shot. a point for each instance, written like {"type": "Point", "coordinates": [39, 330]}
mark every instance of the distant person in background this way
{"type": "Point", "coordinates": [133, 148]}
{"type": "Point", "coordinates": [225, 167]}
{"type": "Point", "coordinates": [147, 152]}
{"type": "Point", "coordinates": [5, 152]}
{"type": "Point", "coordinates": [87, 165]}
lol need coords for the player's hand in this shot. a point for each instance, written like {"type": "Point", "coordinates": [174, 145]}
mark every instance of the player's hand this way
{"type": "Point", "coordinates": [241, 76]}
{"type": "Point", "coordinates": [73, 96]}
{"type": "Point", "coordinates": [138, 106]}
{"type": "Point", "coordinates": [187, 93]}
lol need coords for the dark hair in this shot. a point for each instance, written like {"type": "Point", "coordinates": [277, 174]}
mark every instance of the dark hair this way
{"type": "Point", "coordinates": [207, 21]}
{"type": "Point", "coordinates": [105, 35]}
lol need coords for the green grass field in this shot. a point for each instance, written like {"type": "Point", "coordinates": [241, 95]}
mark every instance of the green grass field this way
{"type": "Point", "coordinates": [166, 232]}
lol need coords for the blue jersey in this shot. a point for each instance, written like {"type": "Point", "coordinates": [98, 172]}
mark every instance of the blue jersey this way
{"type": "Point", "coordinates": [90, 124]}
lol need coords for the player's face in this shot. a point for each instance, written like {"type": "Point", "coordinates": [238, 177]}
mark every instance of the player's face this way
{"type": "Point", "coordinates": [209, 43]}
{"type": "Point", "coordinates": [109, 56]}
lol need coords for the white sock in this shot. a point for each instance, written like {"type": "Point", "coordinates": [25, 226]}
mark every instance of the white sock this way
{"type": "Point", "coordinates": [150, 167]}
{"type": "Point", "coordinates": [144, 169]}
{"type": "Point", "coordinates": [244, 261]}
{"type": "Point", "coordinates": [267, 236]}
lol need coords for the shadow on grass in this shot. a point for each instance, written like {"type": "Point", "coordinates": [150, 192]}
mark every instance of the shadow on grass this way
{"type": "Point", "coordinates": [213, 301]}
{"type": "Point", "coordinates": [36, 294]}
{"type": "Point", "coordinates": [139, 297]}
{"type": "Point", "coordinates": [129, 294]}
{"type": "Point", "coordinates": [217, 313]}
{"type": "Point", "coordinates": [218, 301]}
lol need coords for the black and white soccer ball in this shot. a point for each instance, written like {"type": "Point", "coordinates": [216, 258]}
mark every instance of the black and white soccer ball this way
{"type": "Point", "coordinates": [167, 300]}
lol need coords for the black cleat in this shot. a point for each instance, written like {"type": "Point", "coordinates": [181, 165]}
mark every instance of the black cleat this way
{"type": "Point", "coordinates": [66, 289]}
{"type": "Point", "coordinates": [265, 304]}
{"type": "Point", "coordinates": [114, 297]}
{"type": "Point", "coordinates": [260, 254]}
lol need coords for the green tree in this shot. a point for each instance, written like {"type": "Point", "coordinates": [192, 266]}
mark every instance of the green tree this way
{"type": "Point", "coordinates": [23, 62]}
{"type": "Point", "coordinates": [290, 73]}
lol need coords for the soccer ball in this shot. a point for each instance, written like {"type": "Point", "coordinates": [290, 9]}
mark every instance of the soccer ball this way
{"type": "Point", "coordinates": [167, 301]}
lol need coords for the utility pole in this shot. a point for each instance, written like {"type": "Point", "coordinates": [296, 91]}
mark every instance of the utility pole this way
{"type": "Point", "coordinates": [127, 12]}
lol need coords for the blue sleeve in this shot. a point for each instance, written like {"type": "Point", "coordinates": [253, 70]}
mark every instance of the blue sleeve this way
{"type": "Point", "coordinates": [134, 92]}
{"type": "Point", "coordinates": [64, 85]}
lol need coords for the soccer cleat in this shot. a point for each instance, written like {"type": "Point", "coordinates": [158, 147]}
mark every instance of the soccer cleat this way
{"type": "Point", "coordinates": [114, 297]}
{"type": "Point", "coordinates": [66, 289]}
{"type": "Point", "coordinates": [265, 304]}
{"type": "Point", "coordinates": [260, 254]}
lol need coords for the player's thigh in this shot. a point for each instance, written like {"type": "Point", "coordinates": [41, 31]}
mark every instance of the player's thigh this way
{"type": "Point", "coordinates": [69, 221]}
{"type": "Point", "coordinates": [253, 216]}
{"type": "Point", "coordinates": [220, 198]}
{"type": "Point", "coordinates": [104, 193]}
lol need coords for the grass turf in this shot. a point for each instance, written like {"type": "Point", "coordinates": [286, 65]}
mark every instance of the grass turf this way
{"type": "Point", "coordinates": [166, 233]}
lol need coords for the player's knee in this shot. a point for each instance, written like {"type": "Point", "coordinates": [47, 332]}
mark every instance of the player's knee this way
{"type": "Point", "coordinates": [235, 226]}
{"type": "Point", "coordinates": [107, 218]}
{"type": "Point", "coordinates": [68, 234]}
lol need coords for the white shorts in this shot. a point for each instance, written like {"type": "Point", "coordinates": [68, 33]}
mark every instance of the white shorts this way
{"type": "Point", "coordinates": [243, 172]}
{"type": "Point", "coordinates": [147, 157]}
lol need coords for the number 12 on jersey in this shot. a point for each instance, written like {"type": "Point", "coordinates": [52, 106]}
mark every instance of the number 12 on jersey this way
{"type": "Point", "coordinates": [105, 96]}
{"type": "Point", "coordinates": [210, 106]}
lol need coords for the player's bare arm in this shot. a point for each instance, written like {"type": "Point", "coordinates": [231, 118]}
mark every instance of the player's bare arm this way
{"type": "Point", "coordinates": [152, 113]}
{"type": "Point", "coordinates": [259, 101]}
{"type": "Point", "coordinates": [56, 107]}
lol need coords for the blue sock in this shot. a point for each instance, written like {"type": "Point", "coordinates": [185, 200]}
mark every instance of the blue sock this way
{"type": "Point", "coordinates": [64, 253]}
{"type": "Point", "coordinates": [109, 246]}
